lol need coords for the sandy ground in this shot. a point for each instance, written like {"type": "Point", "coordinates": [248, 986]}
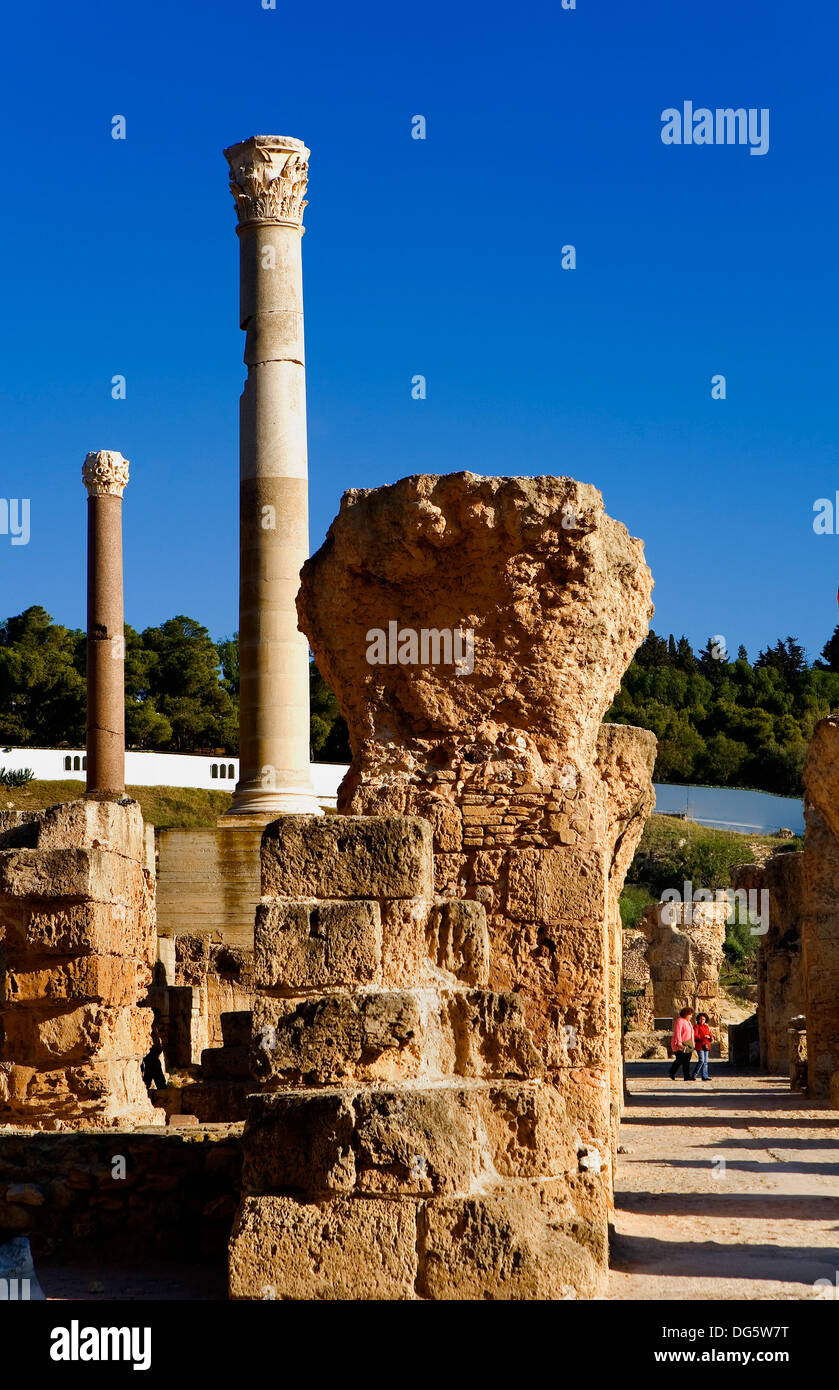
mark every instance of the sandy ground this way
{"type": "Point", "coordinates": [727, 1189]}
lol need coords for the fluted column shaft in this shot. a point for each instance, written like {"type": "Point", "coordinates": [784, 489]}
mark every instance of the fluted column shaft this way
{"type": "Point", "coordinates": [268, 180]}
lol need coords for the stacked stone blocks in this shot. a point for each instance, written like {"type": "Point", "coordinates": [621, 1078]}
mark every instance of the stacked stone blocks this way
{"type": "Point", "coordinates": [407, 1142]}
{"type": "Point", "coordinates": [77, 946]}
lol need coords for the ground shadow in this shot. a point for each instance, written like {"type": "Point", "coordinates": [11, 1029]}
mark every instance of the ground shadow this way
{"type": "Point", "coordinates": [710, 1260]}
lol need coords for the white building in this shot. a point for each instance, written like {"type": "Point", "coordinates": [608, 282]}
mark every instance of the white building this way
{"type": "Point", "coordinates": [158, 769]}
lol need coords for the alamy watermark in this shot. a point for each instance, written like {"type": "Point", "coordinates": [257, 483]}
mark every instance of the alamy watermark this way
{"type": "Point", "coordinates": [741, 904]}
{"type": "Point", "coordinates": [430, 646]}
{"type": "Point", "coordinates": [723, 126]}
{"type": "Point", "coordinates": [14, 519]}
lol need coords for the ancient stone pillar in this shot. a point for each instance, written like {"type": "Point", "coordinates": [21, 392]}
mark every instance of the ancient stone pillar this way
{"type": "Point", "coordinates": [78, 940]}
{"type": "Point", "coordinates": [819, 922]}
{"type": "Point", "coordinates": [780, 981]}
{"type": "Point", "coordinates": [475, 631]}
{"type": "Point", "coordinates": [105, 475]}
{"type": "Point", "coordinates": [268, 181]}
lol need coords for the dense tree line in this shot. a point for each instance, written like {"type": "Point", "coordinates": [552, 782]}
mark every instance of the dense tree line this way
{"type": "Point", "coordinates": [727, 722]}
{"type": "Point", "coordinates": [718, 721]}
{"type": "Point", "coordinates": [181, 689]}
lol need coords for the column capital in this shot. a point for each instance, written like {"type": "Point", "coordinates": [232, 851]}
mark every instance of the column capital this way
{"type": "Point", "coordinates": [268, 177]}
{"type": "Point", "coordinates": [105, 473]}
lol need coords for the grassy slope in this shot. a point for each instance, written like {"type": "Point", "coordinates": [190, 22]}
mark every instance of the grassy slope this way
{"type": "Point", "coordinates": [663, 832]}
{"type": "Point", "coordinates": [162, 806]}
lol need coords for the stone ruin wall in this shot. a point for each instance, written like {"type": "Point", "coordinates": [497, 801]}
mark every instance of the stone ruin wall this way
{"type": "Point", "coordinates": [77, 946]}
{"type": "Point", "coordinates": [202, 997]}
{"type": "Point", "coordinates": [636, 978]}
{"type": "Point", "coordinates": [685, 956]}
{"type": "Point", "coordinates": [535, 807]}
{"type": "Point", "coordinates": [407, 1142]}
{"type": "Point", "coordinates": [798, 961]}
{"type": "Point", "coordinates": [820, 901]}
{"type": "Point", "coordinates": [780, 978]}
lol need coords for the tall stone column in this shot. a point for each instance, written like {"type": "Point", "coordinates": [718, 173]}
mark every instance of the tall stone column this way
{"type": "Point", "coordinates": [268, 181]}
{"type": "Point", "coordinates": [105, 475]}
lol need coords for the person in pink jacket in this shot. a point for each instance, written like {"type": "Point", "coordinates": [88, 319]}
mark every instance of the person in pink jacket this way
{"type": "Point", "coordinates": [681, 1044]}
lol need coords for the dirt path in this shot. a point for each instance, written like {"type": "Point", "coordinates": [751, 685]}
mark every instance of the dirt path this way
{"type": "Point", "coordinates": [727, 1189]}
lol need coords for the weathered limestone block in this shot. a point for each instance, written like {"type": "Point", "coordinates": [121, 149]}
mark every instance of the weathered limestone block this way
{"type": "Point", "coordinates": [360, 1249]}
{"type": "Point", "coordinates": [115, 980]}
{"type": "Point", "coordinates": [385, 1035]}
{"type": "Point", "coordinates": [501, 1246]}
{"type": "Point", "coordinates": [92, 874]}
{"type": "Point", "coordinates": [58, 1035]}
{"type": "Point", "coordinates": [88, 928]}
{"type": "Point", "coordinates": [414, 1141]}
{"type": "Point", "coordinates": [300, 1140]}
{"type": "Point", "coordinates": [490, 554]}
{"type": "Point", "coordinates": [107, 1092]}
{"type": "Point", "coordinates": [339, 1037]}
{"type": "Point", "coordinates": [311, 945]}
{"type": "Point", "coordinates": [458, 940]}
{"type": "Point", "coordinates": [418, 1141]}
{"type": "Point", "coordinates": [330, 858]}
{"type": "Point", "coordinates": [116, 826]}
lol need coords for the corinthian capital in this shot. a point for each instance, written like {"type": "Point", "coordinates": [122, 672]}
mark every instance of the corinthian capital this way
{"type": "Point", "coordinates": [105, 474]}
{"type": "Point", "coordinates": [268, 177]}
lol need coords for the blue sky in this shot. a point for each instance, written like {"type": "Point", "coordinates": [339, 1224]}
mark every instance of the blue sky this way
{"type": "Point", "coordinates": [440, 257]}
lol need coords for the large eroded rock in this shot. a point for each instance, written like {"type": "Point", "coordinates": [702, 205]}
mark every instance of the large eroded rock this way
{"type": "Point", "coordinates": [556, 593]}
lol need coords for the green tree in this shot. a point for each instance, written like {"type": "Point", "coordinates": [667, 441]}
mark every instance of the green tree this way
{"type": "Point", "coordinates": [329, 737]}
{"type": "Point", "coordinates": [830, 653]}
{"type": "Point", "coordinates": [42, 683]}
{"type": "Point", "coordinates": [228, 651]}
{"type": "Point", "coordinates": [183, 681]}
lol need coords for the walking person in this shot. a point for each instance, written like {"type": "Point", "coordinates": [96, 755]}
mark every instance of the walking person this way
{"type": "Point", "coordinates": [702, 1040]}
{"type": "Point", "coordinates": [681, 1045]}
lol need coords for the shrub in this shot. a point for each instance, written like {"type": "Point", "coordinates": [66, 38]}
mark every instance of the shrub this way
{"type": "Point", "coordinates": [633, 900]}
{"type": "Point", "coordinates": [9, 777]}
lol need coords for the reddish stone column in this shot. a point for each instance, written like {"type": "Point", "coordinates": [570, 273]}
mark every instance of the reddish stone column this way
{"type": "Point", "coordinates": [105, 475]}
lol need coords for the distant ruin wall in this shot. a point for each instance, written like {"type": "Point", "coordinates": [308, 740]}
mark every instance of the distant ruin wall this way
{"type": "Point", "coordinates": [780, 979]}
{"type": "Point", "coordinates": [820, 919]}
{"type": "Point", "coordinates": [685, 956]}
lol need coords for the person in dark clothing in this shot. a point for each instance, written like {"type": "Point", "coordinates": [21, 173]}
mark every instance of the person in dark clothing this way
{"type": "Point", "coordinates": [151, 1067]}
{"type": "Point", "coordinates": [681, 1044]}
